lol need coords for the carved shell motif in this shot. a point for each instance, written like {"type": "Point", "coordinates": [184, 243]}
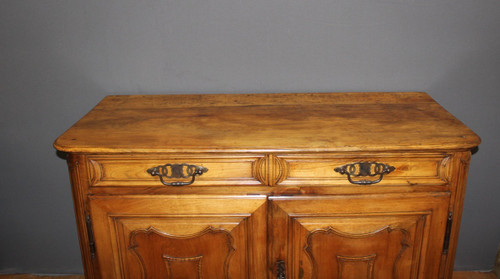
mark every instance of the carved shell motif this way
{"type": "Point", "coordinates": [270, 170]}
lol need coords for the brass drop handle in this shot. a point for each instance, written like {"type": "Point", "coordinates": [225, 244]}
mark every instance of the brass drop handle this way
{"type": "Point", "coordinates": [177, 171]}
{"type": "Point", "coordinates": [360, 169]}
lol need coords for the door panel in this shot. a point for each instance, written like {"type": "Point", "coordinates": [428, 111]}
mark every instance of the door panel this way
{"type": "Point", "coordinates": [357, 237]}
{"type": "Point", "coordinates": [178, 237]}
{"type": "Point", "coordinates": [207, 252]}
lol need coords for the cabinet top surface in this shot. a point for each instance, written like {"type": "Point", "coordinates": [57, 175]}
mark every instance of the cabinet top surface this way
{"type": "Point", "coordinates": [305, 122]}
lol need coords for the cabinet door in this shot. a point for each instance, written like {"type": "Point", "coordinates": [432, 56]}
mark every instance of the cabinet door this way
{"type": "Point", "coordinates": [180, 236]}
{"type": "Point", "coordinates": [357, 237]}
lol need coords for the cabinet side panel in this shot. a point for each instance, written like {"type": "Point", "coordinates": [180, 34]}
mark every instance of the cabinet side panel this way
{"type": "Point", "coordinates": [79, 185]}
{"type": "Point", "coordinates": [459, 180]}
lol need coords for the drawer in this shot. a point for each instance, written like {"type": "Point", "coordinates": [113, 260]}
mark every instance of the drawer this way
{"type": "Point", "coordinates": [293, 170]}
{"type": "Point", "coordinates": [132, 170]}
{"type": "Point", "coordinates": [403, 169]}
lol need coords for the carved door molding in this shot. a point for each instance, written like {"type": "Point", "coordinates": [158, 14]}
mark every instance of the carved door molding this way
{"type": "Point", "coordinates": [204, 237]}
{"type": "Point", "coordinates": [370, 236]}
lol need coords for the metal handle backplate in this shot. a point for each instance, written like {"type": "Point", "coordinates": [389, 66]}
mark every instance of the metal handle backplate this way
{"type": "Point", "coordinates": [363, 169]}
{"type": "Point", "coordinates": [280, 269]}
{"type": "Point", "coordinates": [169, 171]}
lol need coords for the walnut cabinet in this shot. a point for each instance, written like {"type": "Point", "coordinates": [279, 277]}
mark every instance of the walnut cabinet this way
{"type": "Point", "coordinates": [323, 185]}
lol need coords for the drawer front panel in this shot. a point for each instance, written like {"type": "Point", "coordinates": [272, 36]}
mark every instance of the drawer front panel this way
{"type": "Point", "coordinates": [409, 170]}
{"type": "Point", "coordinates": [282, 170]}
{"type": "Point", "coordinates": [131, 171]}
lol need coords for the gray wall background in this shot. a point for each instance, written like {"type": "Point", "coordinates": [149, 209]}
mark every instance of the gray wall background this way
{"type": "Point", "coordinates": [59, 58]}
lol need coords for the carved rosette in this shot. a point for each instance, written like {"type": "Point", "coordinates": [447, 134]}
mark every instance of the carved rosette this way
{"type": "Point", "coordinates": [270, 170]}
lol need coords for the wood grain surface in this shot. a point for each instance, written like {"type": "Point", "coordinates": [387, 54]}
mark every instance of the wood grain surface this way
{"type": "Point", "coordinates": [267, 123]}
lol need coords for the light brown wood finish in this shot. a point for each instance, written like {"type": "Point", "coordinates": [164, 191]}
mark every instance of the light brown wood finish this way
{"type": "Point", "coordinates": [206, 236]}
{"type": "Point", "coordinates": [267, 123]}
{"type": "Point", "coordinates": [271, 193]}
{"type": "Point", "coordinates": [384, 236]}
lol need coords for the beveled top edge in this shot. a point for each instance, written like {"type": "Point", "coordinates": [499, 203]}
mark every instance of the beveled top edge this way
{"type": "Point", "coordinates": [186, 150]}
{"type": "Point", "coordinates": [262, 99]}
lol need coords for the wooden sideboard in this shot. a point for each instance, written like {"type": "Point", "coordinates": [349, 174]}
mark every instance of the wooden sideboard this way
{"type": "Point", "coordinates": [323, 185]}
